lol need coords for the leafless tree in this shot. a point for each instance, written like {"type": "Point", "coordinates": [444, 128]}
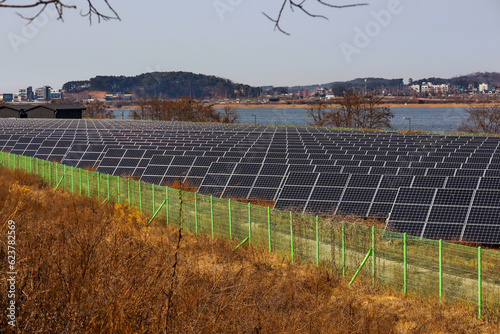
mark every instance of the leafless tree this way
{"type": "Point", "coordinates": [319, 114]}
{"type": "Point", "coordinates": [300, 5]}
{"type": "Point", "coordinates": [186, 109]}
{"type": "Point", "coordinates": [91, 10]}
{"type": "Point", "coordinates": [229, 115]}
{"type": "Point", "coordinates": [97, 109]}
{"type": "Point", "coordinates": [482, 119]}
{"type": "Point", "coordinates": [108, 13]}
{"type": "Point", "coordinates": [352, 111]}
{"type": "Point", "coordinates": [373, 114]}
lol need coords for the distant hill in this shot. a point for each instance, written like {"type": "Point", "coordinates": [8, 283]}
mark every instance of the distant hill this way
{"type": "Point", "coordinates": [371, 84]}
{"type": "Point", "coordinates": [165, 84]}
{"type": "Point", "coordinates": [491, 78]}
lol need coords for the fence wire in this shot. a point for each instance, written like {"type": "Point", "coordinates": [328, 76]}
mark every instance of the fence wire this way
{"type": "Point", "coordinates": [412, 265]}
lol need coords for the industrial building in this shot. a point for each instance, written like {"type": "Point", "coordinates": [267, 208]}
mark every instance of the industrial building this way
{"type": "Point", "coordinates": [41, 111]}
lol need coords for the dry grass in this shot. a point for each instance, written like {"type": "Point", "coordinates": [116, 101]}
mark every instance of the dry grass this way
{"type": "Point", "coordinates": [88, 268]}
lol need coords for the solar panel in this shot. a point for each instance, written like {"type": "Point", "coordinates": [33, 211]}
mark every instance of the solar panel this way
{"type": "Point", "coordinates": [430, 185]}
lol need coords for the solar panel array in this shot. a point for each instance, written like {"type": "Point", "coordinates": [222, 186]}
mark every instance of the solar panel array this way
{"type": "Point", "coordinates": [429, 185]}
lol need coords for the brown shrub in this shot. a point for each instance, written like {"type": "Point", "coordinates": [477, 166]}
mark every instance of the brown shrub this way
{"type": "Point", "coordinates": [83, 267]}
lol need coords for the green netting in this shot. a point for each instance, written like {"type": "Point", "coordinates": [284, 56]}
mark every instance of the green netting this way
{"type": "Point", "coordinates": [413, 265]}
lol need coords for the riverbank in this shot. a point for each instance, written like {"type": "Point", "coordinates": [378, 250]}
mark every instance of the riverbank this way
{"type": "Point", "coordinates": [304, 106]}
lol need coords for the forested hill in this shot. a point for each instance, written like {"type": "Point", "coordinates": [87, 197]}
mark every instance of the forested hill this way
{"type": "Point", "coordinates": [474, 79]}
{"type": "Point", "coordinates": [371, 84]}
{"type": "Point", "coordinates": [165, 84]}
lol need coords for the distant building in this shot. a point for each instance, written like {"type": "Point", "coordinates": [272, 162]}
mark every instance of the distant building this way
{"type": "Point", "coordinates": [41, 111]}
{"type": "Point", "coordinates": [8, 97]}
{"type": "Point", "coordinates": [430, 87]}
{"type": "Point", "coordinates": [10, 111]}
{"type": "Point", "coordinates": [484, 87]}
{"type": "Point", "coordinates": [416, 88]}
{"type": "Point", "coordinates": [56, 94]}
{"type": "Point", "coordinates": [43, 93]}
{"type": "Point", "coordinates": [30, 96]}
{"type": "Point", "coordinates": [22, 95]}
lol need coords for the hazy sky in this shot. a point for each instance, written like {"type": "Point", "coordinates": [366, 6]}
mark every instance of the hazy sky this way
{"type": "Point", "coordinates": [232, 39]}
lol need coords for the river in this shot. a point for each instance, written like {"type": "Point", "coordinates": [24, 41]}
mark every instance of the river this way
{"type": "Point", "coordinates": [424, 119]}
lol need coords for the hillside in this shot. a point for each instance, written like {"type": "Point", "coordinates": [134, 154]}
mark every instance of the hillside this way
{"type": "Point", "coordinates": [93, 268]}
{"type": "Point", "coordinates": [491, 78]}
{"type": "Point", "coordinates": [165, 84]}
{"type": "Point", "coordinates": [359, 83]}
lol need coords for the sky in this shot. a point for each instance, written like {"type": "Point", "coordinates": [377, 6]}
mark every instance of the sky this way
{"type": "Point", "coordinates": [234, 40]}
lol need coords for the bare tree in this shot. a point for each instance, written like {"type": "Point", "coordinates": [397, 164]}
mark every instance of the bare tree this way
{"type": "Point", "coordinates": [319, 114]}
{"type": "Point", "coordinates": [97, 109]}
{"type": "Point", "coordinates": [352, 111]}
{"type": "Point", "coordinates": [186, 109]}
{"type": "Point", "coordinates": [482, 119]}
{"type": "Point", "coordinates": [300, 4]}
{"type": "Point", "coordinates": [229, 115]}
{"type": "Point", "coordinates": [373, 114]}
{"type": "Point", "coordinates": [91, 10]}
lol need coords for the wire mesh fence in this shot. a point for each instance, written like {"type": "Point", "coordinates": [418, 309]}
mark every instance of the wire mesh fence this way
{"type": "Point", "coordinates": [446, 271]}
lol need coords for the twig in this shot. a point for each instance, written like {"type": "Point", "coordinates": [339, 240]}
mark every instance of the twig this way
{"type": "Point", "coordinates": [300, 5]}
{"type": "Point", "coordinates": [60, 5]}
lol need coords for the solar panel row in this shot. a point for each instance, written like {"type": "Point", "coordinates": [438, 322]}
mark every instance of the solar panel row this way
{"type": "Point", "coordinates": [430, 185]}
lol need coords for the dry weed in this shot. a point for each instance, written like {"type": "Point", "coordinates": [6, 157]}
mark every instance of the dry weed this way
{"type": "Point", "coordinates": [84, 267]}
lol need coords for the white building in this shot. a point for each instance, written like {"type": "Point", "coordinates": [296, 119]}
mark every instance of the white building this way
{"type": "Point", "coordinates": [484, 87]}
{"type": "Point", "coordinates": [415, 88]}
{"type": "Point", "coordinates": [430, 87]}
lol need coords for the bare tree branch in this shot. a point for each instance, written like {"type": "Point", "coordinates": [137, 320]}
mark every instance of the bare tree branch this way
{"type": "Point", "coordinates": [300, 5]}
{"type": "Point", "coordinates": [60, 5]}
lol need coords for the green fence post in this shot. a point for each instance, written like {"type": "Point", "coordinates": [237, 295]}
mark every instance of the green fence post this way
{"type": "Point", "coordinates": [157, 211]}
{"type": "Point", "coordinates": [230, 220]}
{"type": "Point", "coordinates": [168, 205]}
{"type": "Point", "coordinates": [89, 192]}
{"type": "Point", "coordinates": [118, 195]}
{"type": "Point", "coordinates": [317, 241]}
{"type": "Point", "coordinates": [405, 265]}
{"type": "Point", "coordinates": [98, 184]}
{"type": "Point", "coordinates": [269, 228]}
{"type": "Point", "coordinates": [479, 284]}
{"type": "Point", "coordinates": [72, 180]}
{"type": "Point", "coordinates": [80, 176]}
{"type": "Point", "coordinates": [370, 251]}
{"type": "Point", "coordinates": [128, 192]}
{"type": "Point", "coordinates": [343, 249]}
{"type": "Point", "coordinates": [140, 195]}
{"type": "Point", "coordinates": [292, 251]}
{"type": "Point", "coordinates": [109, 188]}
{"type": "Point", "coordinates": [249, 224]}
{"type": "Point", "coordinates": [57, 171]}
{"type": "Point", "coordinates": [196, 212]}
{"type": "Point", "coordinates": [212, 215]}
{"type": "Point", "coordinates": [64, 177]}
{"type": "Point", "coordinates": [153, 195]}
{"type": "Point", "coordinates": [440, 270]}
{"type": "Point", "coordinates": [373, 255]}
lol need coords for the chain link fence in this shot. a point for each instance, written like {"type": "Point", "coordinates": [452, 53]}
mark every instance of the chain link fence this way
{"type": "Point", "coordinates": [449, 272]}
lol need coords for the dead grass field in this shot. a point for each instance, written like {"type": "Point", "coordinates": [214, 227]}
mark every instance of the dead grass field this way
{"type": "Point", "coordinates": [84, 267]}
